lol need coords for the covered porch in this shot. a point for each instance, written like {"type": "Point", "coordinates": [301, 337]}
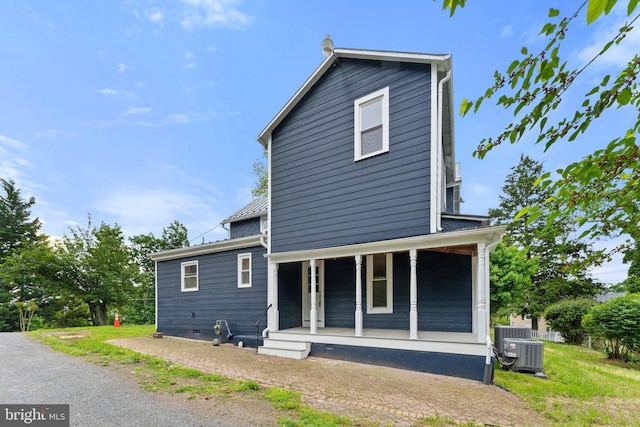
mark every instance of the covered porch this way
{"type": "Point", "coordinates": [425, 293]}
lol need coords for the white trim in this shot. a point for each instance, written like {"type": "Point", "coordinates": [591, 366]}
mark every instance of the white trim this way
{"type": "Point", "coordinates": [208, 248]}
{"type": "Point", "coordinates": [155, 274]}
{"type": "Point", "coordinates": [358, 104]}
{"type": "Point", "coordinates": [269, 175]}
{"type": "Point", "coordinates": [451, 238]}
{"type": "Point", "coordinates": [307, 305]}
{"type": "Point", "coordinates": [182, 276]}
{"type": "Point", "coordinates": [389, 280]}
{"type": "Point", "coordinates": [242, 257]}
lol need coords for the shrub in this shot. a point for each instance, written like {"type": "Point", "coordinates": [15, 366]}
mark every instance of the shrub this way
{"type": "Point", "coordinates": [617, 322]}
{"type": "Point", "coordinates": [566, 317]}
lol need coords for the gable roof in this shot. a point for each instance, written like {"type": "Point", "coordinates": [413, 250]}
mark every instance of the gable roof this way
{"type": "Point", "coordinates": [444, 61]}
{"type": "Point", "coordinates": [256, 208]}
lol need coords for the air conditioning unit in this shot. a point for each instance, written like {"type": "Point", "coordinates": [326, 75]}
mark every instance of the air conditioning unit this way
{"type": "Point", "coordinates": [502, 332]}
{"type": "Point", "coordinates": [527, 355]}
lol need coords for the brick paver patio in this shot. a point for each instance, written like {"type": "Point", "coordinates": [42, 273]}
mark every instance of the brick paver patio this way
{"type": "Point", "coordinates": [377, 394]}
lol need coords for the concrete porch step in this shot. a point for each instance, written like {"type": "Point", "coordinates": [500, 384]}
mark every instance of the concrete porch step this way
{"type": "Point", "coordinates": [291, 349]}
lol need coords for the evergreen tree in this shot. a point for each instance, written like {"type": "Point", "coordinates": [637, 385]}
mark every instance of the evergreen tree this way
{"type": "Point", "coordinates": [16, 226]}
{"type": "Point", "coordinates": [550, 243]}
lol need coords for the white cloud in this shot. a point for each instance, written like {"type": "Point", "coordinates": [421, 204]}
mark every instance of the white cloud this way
{"type": "Point", "coordinates": [137, 110]}
{"type": "Point", "coordinates": [178, 118]}
{"type": "Point", "coordinates": [106, 91]}
{"type": "Point", "coordinates": [14, 144]}
{"type": "Point", "coordinates": [607, 28]}
{"type": "Point", "coordinates": [155, 16]}
{"type": "Point", "coordinates": [506, 31]}
{"type": "Point", "coordinates": [213, 13]}
{"type": "Point", "coordinates": [52, 133]}
{"type": "Point", "coordinates": [191, 65]}
{"type": "Point", "coordinates": [122, 67]}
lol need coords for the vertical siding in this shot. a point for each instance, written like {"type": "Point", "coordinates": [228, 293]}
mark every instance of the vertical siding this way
{"type": "Point", "coordinates": [218, 297]}
{"type": "Point", "coordinates": [320, 196]}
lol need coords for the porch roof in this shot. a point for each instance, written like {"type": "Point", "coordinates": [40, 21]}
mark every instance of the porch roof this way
{"type": "Point", "coordinates": [448, 241]}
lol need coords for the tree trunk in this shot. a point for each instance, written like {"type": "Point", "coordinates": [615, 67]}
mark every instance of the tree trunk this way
{"type": "Point", "coordinates": [98, 313]}
{"type": "Point", "coordinates": [534, 323]}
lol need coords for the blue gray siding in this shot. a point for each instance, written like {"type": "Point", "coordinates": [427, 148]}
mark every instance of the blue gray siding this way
{"type": "Point", "coordinates": [320, 196]}
{"type": "Point", "coordinates": [247, 227]}
{"type": "Point", "coordinates": [193, 314]}
{"type": "Point", "coordinates": [444, 294]}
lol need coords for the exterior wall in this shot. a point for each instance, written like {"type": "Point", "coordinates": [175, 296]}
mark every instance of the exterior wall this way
{"type": "Point", "coordinates": [444, 294]}
{"type": "Point", "coordinates": [450, 224]}
{"type": "Point", "coordinates": [517, 320]}
{"type": "Point", "coordinates": [320, 197]}
{"type": "Point", "coordinates": [248, 227]}
{"type": "Point", "coordinates": [185, 313]}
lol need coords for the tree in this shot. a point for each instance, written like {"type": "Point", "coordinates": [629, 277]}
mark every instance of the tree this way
{"type": "Point", "coordinates": [601, 189]}
{"type": "Point", "coordinates": [616, 321]}
{"type": "Point", "coordinates": [632, 257]}
{"type": "Point", "coordinates": [261, 171]}
{"type": "Point", "coordinates": [511, 273]}
{"type": "Point", "coordinates": [142, 308]}
{"type": "Point", "coordinates": [16, 227]}
{"type": "Point", "coordinates": [99, 268]}
{"type": "Point", "coordinates": [566, 317]}
{"type": "Point", "coordinates": [550, 244]}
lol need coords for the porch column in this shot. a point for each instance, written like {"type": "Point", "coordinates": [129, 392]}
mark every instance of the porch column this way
{"type": "Point", "coordinates": [358, 295]}
{"type": "Point", "coordinates": [272, 298]}
{"type": "Point", "coordinates": [481, 292]}
{"type": "Point", "coordinates": [313, 315]}
{"type": "Point", "coordinates": [413, 295]}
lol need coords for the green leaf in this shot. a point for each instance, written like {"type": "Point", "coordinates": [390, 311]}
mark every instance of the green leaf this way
{"type": "Point", "coordinates": [595, 9]}
{"type": "Point", "coordinates": [513, 66]}
{"type": "Point", "coordinates": [631, 6]}
{"type": "Point", "coordinates": [524, 50]}
{"type": "Point", "coordinates": [465, 106]}
{"type": "Point", "coordinates": [624, 96]}
{"type": "Point", "coordinates": [543, 176]}
{"type": "Point", "coordinates": [522, 213]}
{"type": "Point", "coordinates": [553, 12]}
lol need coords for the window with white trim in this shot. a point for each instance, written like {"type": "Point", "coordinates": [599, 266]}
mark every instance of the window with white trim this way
{"type": "Point", "coordinates": [244, 270]}
{"type": "Point", "coordinates": [189, 276]}
{"type": "Point", "coordinates": [379, 283]}
{"type": "Point", "coordinates": [371, 123]}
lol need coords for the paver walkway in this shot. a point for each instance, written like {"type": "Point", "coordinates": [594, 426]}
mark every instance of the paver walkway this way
{"type": "Point", "coordinates": [374, 393]}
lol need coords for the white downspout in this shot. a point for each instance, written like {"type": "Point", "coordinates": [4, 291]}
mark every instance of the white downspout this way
{"type": "Point", "coordinates": [438, 172]}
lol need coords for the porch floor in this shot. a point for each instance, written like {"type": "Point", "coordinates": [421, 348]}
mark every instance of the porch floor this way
{"type": "Point", "coordinates": [390, 334]}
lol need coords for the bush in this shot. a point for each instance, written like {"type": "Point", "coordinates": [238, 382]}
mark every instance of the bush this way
{"type": "Point", "coordinates": [617, 322]}
{"type": "Point", "coordinates": [566, 317]}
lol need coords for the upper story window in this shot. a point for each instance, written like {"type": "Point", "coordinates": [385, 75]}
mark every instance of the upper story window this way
{"type": "Point", "coordinates": [371, 123]}
{"type": "Point", "coordinates": [189, 276]}
{"type": "Point", "coordinates": [244, 270]}
{"type": "Point", "coordinates": [380, 283]}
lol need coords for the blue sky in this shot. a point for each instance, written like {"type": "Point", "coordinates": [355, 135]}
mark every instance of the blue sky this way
{"type": "Point", "coordinates": [141, 112]}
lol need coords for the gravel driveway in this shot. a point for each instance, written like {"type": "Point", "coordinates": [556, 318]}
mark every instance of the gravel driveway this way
{"type": "Point", "coordinates": [32, 373]}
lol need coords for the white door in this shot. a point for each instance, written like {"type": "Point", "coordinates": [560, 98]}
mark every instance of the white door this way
{"type": "Point", "coordinates": [306, 293]}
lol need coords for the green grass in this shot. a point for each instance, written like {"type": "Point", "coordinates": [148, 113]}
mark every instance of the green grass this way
{"type": "Point", "coordinates": [583, 388]}
{"type": "Point", "coordinates": [158, 375]}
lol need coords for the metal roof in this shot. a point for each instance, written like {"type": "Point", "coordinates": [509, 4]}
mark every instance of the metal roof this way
{"type": "Point", "coordinates": [256, 208]}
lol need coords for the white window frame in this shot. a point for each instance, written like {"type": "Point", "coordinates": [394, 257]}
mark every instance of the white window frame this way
{"type": "Point", "coordinates": [183, 276]}
{"type": "Point", "coordinates": [382, 94]}
{"type": "Point", "coordinates": [242, 257]}
{"type": "Point", "coordinates": [389, 308]}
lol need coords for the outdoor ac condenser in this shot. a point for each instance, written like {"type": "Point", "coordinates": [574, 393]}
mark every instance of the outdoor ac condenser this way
{"type": "Point", "coordinates": [528, 354]}
{"type": "Point", "coordinates": [502, 332]}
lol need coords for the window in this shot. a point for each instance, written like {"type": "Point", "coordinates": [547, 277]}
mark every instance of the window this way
{"type": "Point", "coordinates": [244, 270]}
{"type": "Point", "coordinates": [189, 276]}
{"type": "Point", "coordinates": [371, 122]}
{"type": "Point", "coordinates": [380, 283]}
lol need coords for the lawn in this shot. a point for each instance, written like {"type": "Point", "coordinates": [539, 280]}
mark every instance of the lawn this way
{"type": "Point", "coordinates": [583, 387]}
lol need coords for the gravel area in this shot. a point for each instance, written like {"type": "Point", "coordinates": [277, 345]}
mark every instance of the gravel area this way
{"type": "Point", "coordinates": [32, 373]}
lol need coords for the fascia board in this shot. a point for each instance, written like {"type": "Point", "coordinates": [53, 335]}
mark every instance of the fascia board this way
{"type": "Point", "coordinates": [208, 248]}
{"type": "Point", "coordinates": [485, 235]}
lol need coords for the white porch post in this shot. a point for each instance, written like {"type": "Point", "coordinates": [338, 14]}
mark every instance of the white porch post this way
{"type": "Point", "coordinates": [273, 315]}
{"type": "Point", "coordinates": [482, 278]}
{"type": "Point", "coordinates": [413, 297]}
{"type": "Point", "coordinates": [313, 315]}
{"type": "Point", "coordinates": [358, 295]}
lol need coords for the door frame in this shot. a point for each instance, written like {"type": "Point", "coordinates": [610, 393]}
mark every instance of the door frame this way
{"type": "Point", "coordinates": [306, 294]}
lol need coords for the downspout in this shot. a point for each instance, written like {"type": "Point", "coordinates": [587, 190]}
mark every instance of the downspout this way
{"type": "Point", "coordinates": [263, 240]}
{"type": "Point", "coordinates": [228, 230]}
{"type": "Point", "coordinates": [438, 173]}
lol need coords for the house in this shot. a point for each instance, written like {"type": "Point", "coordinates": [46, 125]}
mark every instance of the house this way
{"type": "Point", "coordinates": [360, 251]}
